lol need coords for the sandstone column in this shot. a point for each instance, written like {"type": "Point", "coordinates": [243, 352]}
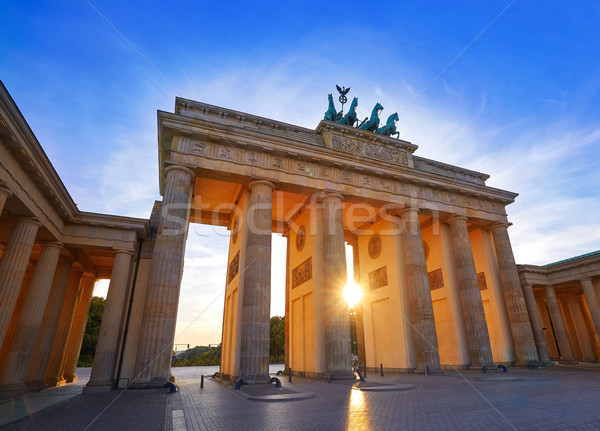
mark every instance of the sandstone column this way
{"type": "Point", "coordinates": [4, 194]}
{"type": "Point", "coordinates": [43, 346]}
{"type": "Point", "coordinates": [13, 266]}
{"type": "Point", "coordinates": [592, 302]}
{"type": "Point", "coordinates": [559, 326]}
{"type": "Point", "coordinates": [78, 328]}
{"type": "Point", "coordinates": [419, 293]}
{"type": "Point", "coordinates": [470, 295]}
{"type": "Point", "coordinates": [53, 375]}
{"type": "Point", "coordinates": [256, 276]}
{"type": "Point", "coordinates": [12, 375]}
{"type": "Point", "coordinates": [160, 309]}
{"type": "Point", "coordinates": [536, 323]}
{"type": "Point", "coordinates": [287, 321]}
{"type": "Point", "coordinates": [520, 326]}
{"type": "Point", "coordinates": [337, 316]}
{"type": "Point", "coordinates": [106, 350]}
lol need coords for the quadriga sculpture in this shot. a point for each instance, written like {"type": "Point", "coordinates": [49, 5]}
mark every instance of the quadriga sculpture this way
{"type": "Point", "coordinates": [350, 118]}
{"type": "Point", "coordinates": [373, 123]}
{"type": "Point", "coordinates": [390, 126]}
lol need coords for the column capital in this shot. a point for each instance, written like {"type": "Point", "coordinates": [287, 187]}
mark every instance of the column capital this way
{"type": "Point", "coordinates": [175, 167]}
{"type": "Point", "coordinates": [28, 220]}
{"type": "Point", "coordinates": [585, 279]}
{"type": "Point", "coordinates": [255, 183]}
{"type": "Point", "coordinates": [332, 195]}
{"type": "Point", "coordinates": [123, 251]}
{"type": "Point", "coordinates": [456, 217]}
{"type": "Point", "coordinates": [55, 244]}
{"type": "Point", "coordinates": [500, 224]}
{"type": "Point", "coordinates": [527, 286]}
{"type": "Point", "coordinates": [89, 276]}
{"type": "Point", "coordinates": [408, 209]}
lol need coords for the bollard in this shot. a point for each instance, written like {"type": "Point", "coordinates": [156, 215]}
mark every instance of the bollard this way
{"type": "Point", "coordinates": [381, 368]}
{"type": "Point", "coordinates": [427, 370]}
{"type": "Point", "coordinates": [532, 366]}
{"type": "Point", "coordinates": [483, 369]}
{"type": "Point", "coordinates": [276, 381]}
{"type": "Point", "coordinates": [202, 381]}
{"type": "Point", "coordinates": [290, 376]}
{"type": "Point", "coordinates": [239, 384]}
{"type": "Point", "coordinates": [330, 378]}
{"type": "Point", "coordinates": [504, 370]}
{"type": "Point", "coordinates": [362, 378]}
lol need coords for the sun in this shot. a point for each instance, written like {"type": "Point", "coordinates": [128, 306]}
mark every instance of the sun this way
{"type": "Point", "coordinates": [352, 294]}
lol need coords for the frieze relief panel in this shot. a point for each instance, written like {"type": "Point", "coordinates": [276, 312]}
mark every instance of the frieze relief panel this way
{"type": "Point", "coordinates": [345, 175]}
{"type": "Point", "coordinates": [234, 267]}
{"type": "Point", "coordinates": [302, 273]}
{"type": "Point", "coordinates": [378, 278]}
{"type": "Point", "coordinates": [379, 152]}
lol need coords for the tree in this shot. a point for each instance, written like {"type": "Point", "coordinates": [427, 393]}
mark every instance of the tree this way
{"type": "Point", "coordinates": [92, 329]}
{"type": "Point", "coordinates": [277, 343]}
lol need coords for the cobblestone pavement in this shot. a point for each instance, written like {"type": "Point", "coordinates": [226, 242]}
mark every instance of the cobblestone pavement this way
{"type": "Point", "coordinates": [558, 398]}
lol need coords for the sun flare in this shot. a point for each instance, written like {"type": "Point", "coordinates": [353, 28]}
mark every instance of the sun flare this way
{"type": "Point", "coordinates": [352, 294]}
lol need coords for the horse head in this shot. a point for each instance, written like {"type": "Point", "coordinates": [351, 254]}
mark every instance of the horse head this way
{"type": "Point", "coordinates": [354, 103]}
{"type": "Point", "coordinates": [377, 109]}
{"type": "Point", "coordinates": [330, 97]}
{"type": "Point", "coordinates": [392, 119]}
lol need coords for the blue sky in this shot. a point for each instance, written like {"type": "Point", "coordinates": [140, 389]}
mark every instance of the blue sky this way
{"type": "Point", "coordinates": [522, 103]}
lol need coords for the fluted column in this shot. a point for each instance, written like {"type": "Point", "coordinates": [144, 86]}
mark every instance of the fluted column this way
{"type": "Point", "coordinates": [419, 293]}
{"type": "Point", "coordinates": [12, 268]}
{"type": "Point", "coordinates": [106, 350]}
{"type": "Point", "coordinates": [559, 326]}
{"type": "Point", "coordinates": [256, 282]}
{"type": "Point", "coordinates": [520, 326]}
{"type": "Point", "coordinates": [78, 328]}
{"type": "Point", "coordinates": [160, 309]}
{"type": "Point", "coordinates": [53, 375]}
{"type": "Point", "coordinates": [592, 302]}
{"type": "Point", "coordinates": [536, 323]}
{"type": "Point", "coordinates": [43, 346]}
{"type": "Point", "coordinates": [4, 194]}
{"type": "Point", "coordinates": [472, 306]}
{"type": "Point", "coordinates": [337, 316]}
{"type": "Point", "coordinates": [12, 375]}
{"type": "Point", "coordinates": [287, 322]}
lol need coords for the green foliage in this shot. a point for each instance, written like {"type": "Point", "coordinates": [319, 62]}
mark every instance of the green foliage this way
{"type": "Point", "coordinates": [277, 343]}
{"type": "Point", "coordinates": [198, 356]}
{"type": "Point", "coordinates": [92, 329]}
{"type": "Point", "coordinates": [206, 356]}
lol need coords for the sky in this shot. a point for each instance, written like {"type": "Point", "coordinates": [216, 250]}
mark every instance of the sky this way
{"type": "Point", "coordinates": [508, 88]}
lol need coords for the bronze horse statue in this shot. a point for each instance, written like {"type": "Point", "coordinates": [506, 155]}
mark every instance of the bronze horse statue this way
{"type": "Point", "coordinates": [373, 123]}
{"type": "Point", "coordinates": [350, 118]}
{"type": "Point", "coordinates": [390, 126]}
{"type": "Point", "coordinates": [331, 113]}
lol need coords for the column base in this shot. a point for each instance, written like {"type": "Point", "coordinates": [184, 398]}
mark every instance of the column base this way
{"type": "Point", "coordinates": [97, 389]}
{"type": "Point", "coordinates": [568, 361]}
{"type": "Point", "coordinates": [490, 366]}
{"type": "Point", "coordinates": [52, 383]}
{"type": "Point", "coordinates": [340, 375]}
{"type": "Point", "coordinates": [432, 370]}
{"type": "Point", "coordinates": [156, 383]}
{"type": "Point", "coordinates": [12, 391]}
{"type": "Point", "coordinates": [262, 379]}
{"type": "Point", "coordinates": [36, 385]}
{"type": "Point", "coordinates": [71, 379]}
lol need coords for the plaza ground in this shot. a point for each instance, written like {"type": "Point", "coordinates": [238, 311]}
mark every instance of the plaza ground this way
{"type": "Point", "coordinates": [558, 398]}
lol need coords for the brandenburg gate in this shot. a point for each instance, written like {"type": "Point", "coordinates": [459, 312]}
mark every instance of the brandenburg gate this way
{"type": "Point", "coordinates": [430, 250]}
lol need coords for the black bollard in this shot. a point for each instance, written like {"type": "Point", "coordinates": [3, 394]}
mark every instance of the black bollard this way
{"type": "Point", "coordinates": [290, 376]}
{"type": "Point", "coordinates": [202, 381]}
{"type": "Point", "coordinates": [330, 378]}
{"type": "Point", "coordinates": [427, 371]}
{"type": "Point", "coordinates": [381, 368]}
